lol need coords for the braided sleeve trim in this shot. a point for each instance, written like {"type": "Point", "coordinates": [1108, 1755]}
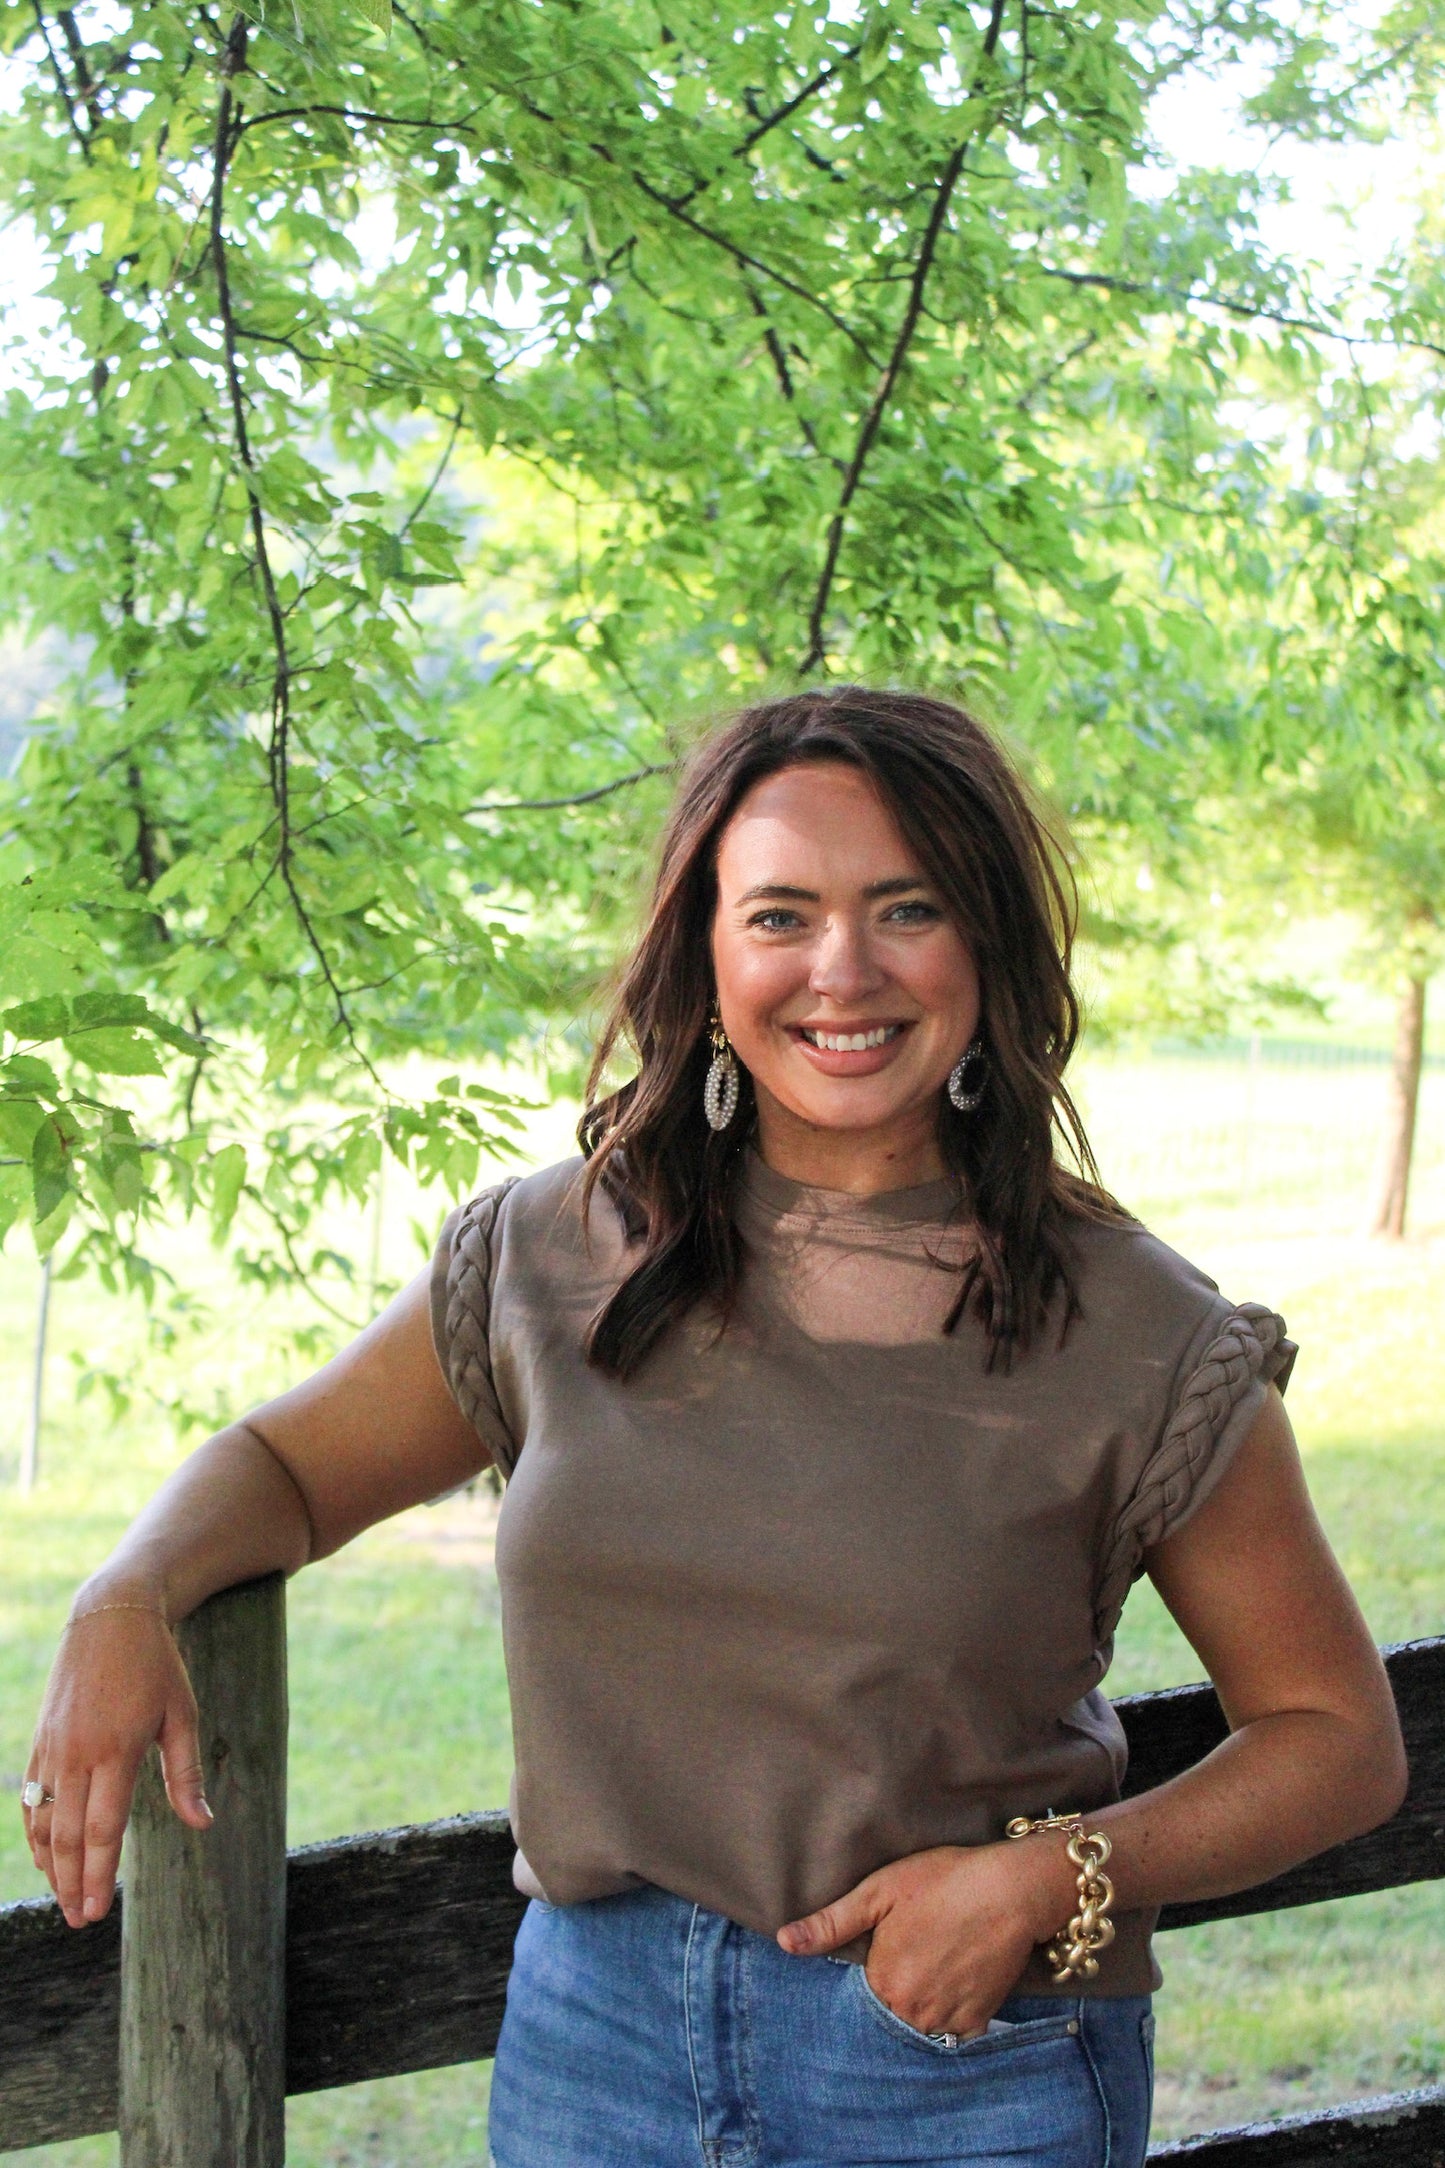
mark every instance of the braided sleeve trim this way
{"type": "Point", "coordinates": [469, 1309]}
{"type": "Point", "coordinates": [1250, 1346]}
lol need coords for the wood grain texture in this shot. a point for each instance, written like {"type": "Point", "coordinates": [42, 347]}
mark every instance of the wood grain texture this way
{"type": "Point", "coordinates": [399, 1949]}
{"type": "Point", "coordinates": [203, 1936]}
{"type": "Point", "coordinates": [59, 2024]}
{"type": "Point", "coordinates": [399, 1942]}
{"type": "Point", "coordinates": [1399, 2130]}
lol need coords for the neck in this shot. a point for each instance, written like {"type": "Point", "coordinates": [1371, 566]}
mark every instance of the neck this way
{"type": "Point", "coordinates": [864, 1162]}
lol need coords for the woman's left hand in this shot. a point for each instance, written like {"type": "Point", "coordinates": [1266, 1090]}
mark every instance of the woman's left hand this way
{"type": "Point", "coordinates": [952, 1928]}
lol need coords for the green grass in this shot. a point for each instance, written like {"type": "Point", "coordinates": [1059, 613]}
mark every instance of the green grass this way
{"type": "Point", "coordinates": [398, 1698]}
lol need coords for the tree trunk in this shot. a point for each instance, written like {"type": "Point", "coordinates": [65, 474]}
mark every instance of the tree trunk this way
{"type": "Point", "coordinates": [1398, 1143]}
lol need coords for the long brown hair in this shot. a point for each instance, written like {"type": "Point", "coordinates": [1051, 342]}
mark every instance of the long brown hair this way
{"type": "Point", "coordinates": [1002, 876]}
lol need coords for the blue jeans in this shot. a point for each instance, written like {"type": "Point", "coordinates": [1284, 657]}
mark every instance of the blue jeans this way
{"type": "Point", "coordinates": [644, 2032]}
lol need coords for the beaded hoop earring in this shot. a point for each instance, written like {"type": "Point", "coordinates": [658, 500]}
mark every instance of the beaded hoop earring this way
{"type": "Point", "coordinates": [720, 1092]}
{"type": "Point", "coordinates": [961, 1095]}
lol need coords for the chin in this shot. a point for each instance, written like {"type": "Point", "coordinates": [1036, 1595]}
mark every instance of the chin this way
{"type": "Point", "coordinates": [855, 1119]}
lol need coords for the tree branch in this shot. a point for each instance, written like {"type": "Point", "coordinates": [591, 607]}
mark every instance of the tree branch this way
{"type": "Point", "coordinates": [674, 206]}
{"type": "Point", "coordinates": [354, 113]}
{"type": "Point", "coordinates": [785, 112]}
{"type": "Point", "coordinates": [61, 85]}
{"type": "Point", "coordinates": [582, 797]}
{"type": "Point", "coordinates": [785, 375]}
{"type": "Point", "coordinates": [872, 420]}
{"type": "Point", "coordinates": [278, 751]}
{"type": "Point", "coordinates": [76, 47]}
{"type": "Point", "coordinates": [1149, 291]}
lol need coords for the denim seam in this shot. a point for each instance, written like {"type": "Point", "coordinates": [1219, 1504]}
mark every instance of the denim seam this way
{"type": "Point", "coordinates": [752, 2122]}
{"type": "Point", "coordinates": [702, 2139]}
{"type": "Point", "coordinates": [1082, 2018]}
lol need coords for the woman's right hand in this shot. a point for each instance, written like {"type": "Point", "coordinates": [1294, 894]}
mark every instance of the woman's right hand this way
{"type": "Point", "coordinates": [117, 1686]}
{"type": "Point", "coordinates": [375, 1431]}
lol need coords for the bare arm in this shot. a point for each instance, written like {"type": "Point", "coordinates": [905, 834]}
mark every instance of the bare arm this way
{"type": "Point", "coordinates": [373, 1432]}
{"type": "Point", "coordinates": [1314, 1756]}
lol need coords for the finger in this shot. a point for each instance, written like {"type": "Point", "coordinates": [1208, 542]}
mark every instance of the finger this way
{"type": "Point", "coordinates": [28, 1815]}
{"type": "Point", "coordinates": [67, 1842]}
{"type": "Point", "coordinates": [180, 1744]}
{"type": "Point", "coordinates": [37, 1819]}
{"type": "Point", "coordinates": [835, 1924]}
{"type": "Point", "coordinates": [105, 1820]}
{"type": "Point", "coordinates": [37, 1831]}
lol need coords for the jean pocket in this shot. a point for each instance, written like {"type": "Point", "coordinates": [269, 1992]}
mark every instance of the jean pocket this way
{"type": "Point", "coordinates": [1146, 2041]}
{"type": "Point", "coordinates": [1001, 2038]}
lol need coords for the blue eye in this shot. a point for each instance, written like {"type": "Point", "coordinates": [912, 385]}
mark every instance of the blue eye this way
{"type": "Point", "coordinates": [914, 914]}
{"type": "Point", "coordinates": [775, 921]}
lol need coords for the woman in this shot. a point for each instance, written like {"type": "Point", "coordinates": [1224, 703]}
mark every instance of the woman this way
{"type": "Point", "coordinates": [838, 1418]}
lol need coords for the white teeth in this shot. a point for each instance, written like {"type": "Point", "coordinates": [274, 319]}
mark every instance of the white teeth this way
{"type": "Point", "coordinates": [852, 1042]}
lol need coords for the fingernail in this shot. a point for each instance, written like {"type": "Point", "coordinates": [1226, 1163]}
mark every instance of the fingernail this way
{"type": "Point", "coordinates": [92, 1908]}
{"type": "Point", "coordinates": [793, 1940]}
{"type": "Point", "coordinates": [205, 1806]}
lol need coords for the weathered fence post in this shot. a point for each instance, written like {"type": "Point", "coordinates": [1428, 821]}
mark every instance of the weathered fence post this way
{"type": "Point", "coordinates": [203, 1940]}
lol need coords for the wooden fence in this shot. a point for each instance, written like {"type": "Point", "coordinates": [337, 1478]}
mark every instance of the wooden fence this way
{"type": "Point", "coordinates": [232, 1974]}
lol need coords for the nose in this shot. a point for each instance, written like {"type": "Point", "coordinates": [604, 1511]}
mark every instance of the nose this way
{"type": "Point", "coordinates": [845, 968]}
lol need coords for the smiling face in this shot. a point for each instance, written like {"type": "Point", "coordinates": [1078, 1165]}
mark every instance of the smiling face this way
{"type": "Point", "coordinates": [846, 991]}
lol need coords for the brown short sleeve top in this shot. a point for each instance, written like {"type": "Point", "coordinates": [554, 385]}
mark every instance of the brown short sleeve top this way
{"type": "Point", "coordinates": [818, 1590]}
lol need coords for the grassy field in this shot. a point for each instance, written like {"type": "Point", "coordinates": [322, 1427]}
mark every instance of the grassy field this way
{"type": "Point", "coordinates": [398, 1698]}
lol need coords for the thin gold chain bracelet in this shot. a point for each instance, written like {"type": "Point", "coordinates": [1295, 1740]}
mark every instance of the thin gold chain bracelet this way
{"type": "Point", "coordinates": [1074, 1951]}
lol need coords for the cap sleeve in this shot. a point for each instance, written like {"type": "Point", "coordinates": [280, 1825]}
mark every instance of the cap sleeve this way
{"type": "Point", "coordinates": [1213, 1410]}
{"type": "Point", "coordinates": [462, 1286]}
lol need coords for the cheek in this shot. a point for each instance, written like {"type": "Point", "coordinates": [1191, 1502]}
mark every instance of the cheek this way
{"type": "Point", "coordinates": [752, 982]}
{"type": "Point", "coordinates": [942, 976]}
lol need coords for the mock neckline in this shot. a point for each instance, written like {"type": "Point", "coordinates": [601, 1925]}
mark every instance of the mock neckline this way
{"type": "Point", "coordinates": [926, 1203]}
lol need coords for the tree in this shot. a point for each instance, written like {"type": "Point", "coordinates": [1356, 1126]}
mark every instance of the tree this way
{"type": "Point", "coordinates": [769, 345]}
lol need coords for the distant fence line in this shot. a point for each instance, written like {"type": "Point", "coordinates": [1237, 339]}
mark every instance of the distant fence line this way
{"type": "Point", "coordinates": [1263, 1047]}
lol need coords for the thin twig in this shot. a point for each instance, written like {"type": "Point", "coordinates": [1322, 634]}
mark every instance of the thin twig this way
{"type": "Point", "coordinates": [785, 375]}
{"type": "Point", "coordinates": [582, 797]}
{"type": "Point", "coordinates": [425, 498]}
{"type": "Point", "coordinates": [1150, 291]}
{"type": "Point", "coordinates": [872, 420]}
{"type": "Point", "coordinates": [673, 205]}
{"type": "Point", "coordinates": [351, 1323]}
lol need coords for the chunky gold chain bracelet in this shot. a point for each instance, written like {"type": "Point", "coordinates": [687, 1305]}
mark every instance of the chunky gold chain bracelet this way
{"type": "Point", "coordinates": [1074, 1950]}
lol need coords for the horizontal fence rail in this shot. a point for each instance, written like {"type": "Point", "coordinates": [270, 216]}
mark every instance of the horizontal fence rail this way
{"type": "Point", "coordinates": [398, 1946]}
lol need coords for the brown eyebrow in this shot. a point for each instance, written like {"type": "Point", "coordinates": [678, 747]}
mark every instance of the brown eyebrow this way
{"type": "Point", "coordinates": [776, 891]}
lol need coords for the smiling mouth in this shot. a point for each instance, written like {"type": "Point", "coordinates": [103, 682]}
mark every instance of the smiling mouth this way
{"type": "Point", "coordinates": [849, 1042]}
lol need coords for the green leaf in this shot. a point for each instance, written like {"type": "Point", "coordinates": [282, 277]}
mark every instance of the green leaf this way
{"type": "Point", "coordinates": [36, 1020]}
{"type": "Point", "coordinates": [49, 1169]}
{"type": "Point", "coordinates": [123, 1169]}
{"type": "Point", "coordinates": [114, 1053]}
{"type": "Point", "coordinates": [15, 1195]}
{"type": "Point", "coordinates": [228, 1177]}
{"type": "Point", "coordinates": [19, 1120]}
{"type": "Point", "coordinates": [107, 1006]}
{"type": "Point", "coordinates": [27, 1073]}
